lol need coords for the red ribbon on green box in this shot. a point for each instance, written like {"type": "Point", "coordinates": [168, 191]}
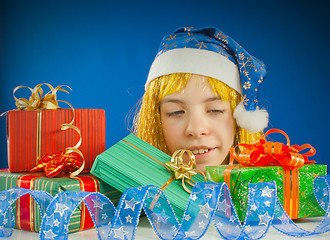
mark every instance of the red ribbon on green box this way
{"type": "Point", "coordinates": [267, 153]}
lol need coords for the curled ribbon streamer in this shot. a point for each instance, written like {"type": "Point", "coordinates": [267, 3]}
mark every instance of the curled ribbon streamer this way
{"type": "Point", "coordinates": [39, 101]}
{"type": "Point", "coordinates": [208, 202]}
{"type": "Point", "coordinates": [266, 153]}
{"type": "Point", "coordinates": [181, 170]}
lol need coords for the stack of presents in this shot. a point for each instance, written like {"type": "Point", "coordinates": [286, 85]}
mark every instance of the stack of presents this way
{"type": "Point", "coordinates": [55, 150]}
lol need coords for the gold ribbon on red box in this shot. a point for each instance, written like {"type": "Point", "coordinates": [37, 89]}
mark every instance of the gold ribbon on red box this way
{"type": "Point", "coordinates": [266, 153]}
{"type": "Point", "coordinates": [54, 163]}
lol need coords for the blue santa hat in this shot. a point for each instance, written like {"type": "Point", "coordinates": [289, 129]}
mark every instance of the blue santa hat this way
{"type": "Point", "coordinates": [210, 52]}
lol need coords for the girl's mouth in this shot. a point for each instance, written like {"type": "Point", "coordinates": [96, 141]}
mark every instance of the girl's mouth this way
{"type": "Point", "coordinates": [200, 151]}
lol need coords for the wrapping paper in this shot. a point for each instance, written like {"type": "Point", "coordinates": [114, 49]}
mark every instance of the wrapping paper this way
{"type": "Point", "coordinates": [303, 205]}
{"type": "Point", "coordinates": [27, 213]}
{"type": "Point", "coordinates": [25, 148]}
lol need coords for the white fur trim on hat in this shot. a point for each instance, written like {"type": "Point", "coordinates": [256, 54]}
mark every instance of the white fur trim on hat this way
{"type": "Point", "coordinates": [196, 61]}
{"type": "Point", "coordinates": [253, 121]}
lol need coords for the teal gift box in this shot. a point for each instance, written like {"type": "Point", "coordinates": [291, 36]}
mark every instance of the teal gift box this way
{"type": "Point", "coordinates": [133, 162]}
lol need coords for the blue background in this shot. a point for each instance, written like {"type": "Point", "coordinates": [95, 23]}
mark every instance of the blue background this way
{"type": "Point", "coordinates": [103, 50]}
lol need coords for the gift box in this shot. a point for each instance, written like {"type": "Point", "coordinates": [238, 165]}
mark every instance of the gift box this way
{"type": "Point", "coordinates": [133, 162]}
{"type": "Point", "coordinates": [28, 216]}
{"type": "Point", "coordinates": [294, 187]}
{"type": "Point", "coordinates": [33, 133]}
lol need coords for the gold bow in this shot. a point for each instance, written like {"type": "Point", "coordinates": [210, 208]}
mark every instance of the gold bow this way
{"type": "Point", "coordinates": [181, 170]}
{"type": "Point", "coordinates": [37, 100]}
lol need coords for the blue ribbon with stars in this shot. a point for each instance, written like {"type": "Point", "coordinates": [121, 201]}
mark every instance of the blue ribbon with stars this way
{"type": "Point", "coordinates": [208, 203]}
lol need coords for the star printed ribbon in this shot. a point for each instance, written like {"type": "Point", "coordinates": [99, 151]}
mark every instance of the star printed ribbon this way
{"type": "Point", "coordinates": [208, 203]}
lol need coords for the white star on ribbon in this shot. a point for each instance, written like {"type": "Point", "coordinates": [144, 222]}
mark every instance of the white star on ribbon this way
{"type": "Point", "coordinates": [56, 223]}
{"type": "Point", "coordinates": [219, 225]}
{"type": "Point", "coordinates": [223, 206]}
{"type": "Point", "coordinates": [252, 191]}
{"type": "Point", "coordinates": [208, 195]}
{"type": "Point", "coordinates": [50, 220]}
{"type": "Point", "coordinates": [267, 203]}
{"type": "Point", "coordinates": [174, 228]}
{"type": "Point", "coordinates": [248, 228]}
{"type": "Point", "coordinates": [205, 209]}
{"type": "Point", "coordinates": [120, 233]}
{"type": "Point", "coordinates": [190, 234]}
{"type": "Point", "coordinates": [157, 205]}
{"type": "Point", "coordinates": [209, 186]}
{"type": "Point", "coordinates": [186, 217]}
{"type": "Point", "coordinates": [232, 218]}
{"type": "Point", "coordinates": [253, 207]}
{"type": "Point", "coordinates": [104, 216]}
{"type": "Point", "coordinates": [3, 197]}
{"type": "Point", "coordinates": [49, 234]}
{"type": "Point", "coordinates": [325, 192]}
{"type": "Point", "coordinates": [129, 218]}
{"type": "Point", "coordinates": [193, 197]}
{"type": "Point", "coordinates": [267, 192]}
{"type": "Point", "coordinates": [131, 204]}
{"type": "Point", "coordinates": [264, 219]}
{"type": "Point", "coordinates": [150, 194]}
{"type": "Point", "coordinates": [98, 203]}
{"type": "Point", "coordinates": [60, 208]}
{"type": "Point", "coordinates": [201, 224]}
{"type": "Point", "coordinates": [284, 219]}
{"type": "Point", "coordinates": [5, 221]}
{"type": "Point", "coordinates": [160, 217]}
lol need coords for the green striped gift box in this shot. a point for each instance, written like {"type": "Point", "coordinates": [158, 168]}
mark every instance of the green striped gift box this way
{"type": "Point", "coordinates": [27, 212]}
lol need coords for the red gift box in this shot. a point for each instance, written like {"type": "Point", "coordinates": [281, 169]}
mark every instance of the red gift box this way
{"type": "Point", "coordinates": [32, 134]}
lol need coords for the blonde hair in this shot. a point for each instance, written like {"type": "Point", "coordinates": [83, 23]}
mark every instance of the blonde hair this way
{"type": "Point", "coordinates": [147, 124]}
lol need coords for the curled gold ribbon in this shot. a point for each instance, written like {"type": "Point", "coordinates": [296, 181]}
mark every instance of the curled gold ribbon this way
{"type": "Point", "coordinates": [39, 101]}
{"type": "Point", "coordinates": [183, 171]}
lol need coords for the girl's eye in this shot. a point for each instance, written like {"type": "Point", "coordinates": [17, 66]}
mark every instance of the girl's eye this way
{"type": "Point", "coordinates": [216, 111]}
{"type": "Point", "coordinates": [175, 113]}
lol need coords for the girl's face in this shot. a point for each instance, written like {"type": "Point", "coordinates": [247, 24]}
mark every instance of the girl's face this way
{"type": "Point", "coordinates": [196, 119]}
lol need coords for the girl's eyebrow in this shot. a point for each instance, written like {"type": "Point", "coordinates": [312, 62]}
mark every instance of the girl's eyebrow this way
{"type": "Point", "coordinates": [174, 100]}
{"type": "Point", "coordinates": [213, 99]}
{"type": "Point", "coordinates": [171, 100]}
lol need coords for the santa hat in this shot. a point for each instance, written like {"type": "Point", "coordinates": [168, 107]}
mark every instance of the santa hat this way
{"type": "Point", "coordinates": [210, 52]}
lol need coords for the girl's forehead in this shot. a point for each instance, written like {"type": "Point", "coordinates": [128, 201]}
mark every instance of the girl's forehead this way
{"type": "Point", "coordinates": [196, 87]}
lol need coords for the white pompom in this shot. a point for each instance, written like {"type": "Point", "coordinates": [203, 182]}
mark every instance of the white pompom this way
{"type": "Point", "coordinates": [253, 121]}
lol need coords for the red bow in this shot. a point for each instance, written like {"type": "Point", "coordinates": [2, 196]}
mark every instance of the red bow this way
{"type": "Point", "coordinates": [266, 153]}
{"type": "Point", "coordinates": [53, 164]}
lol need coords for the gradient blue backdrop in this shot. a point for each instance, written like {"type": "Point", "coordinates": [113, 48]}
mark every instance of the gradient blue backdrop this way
{"type": "Point", "coordinates": [103, 50]}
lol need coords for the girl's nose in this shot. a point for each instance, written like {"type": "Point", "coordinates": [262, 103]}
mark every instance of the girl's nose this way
{"type": "Point", "coordinates": [196, 127]}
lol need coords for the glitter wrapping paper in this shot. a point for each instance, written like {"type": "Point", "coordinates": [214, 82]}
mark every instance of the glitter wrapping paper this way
{"type": "Point", "coordinates": [26, 211]}
{"type": "Point", "coordinates": [306, 203]}
{"type": "Point", "coordinates": [25, 148]}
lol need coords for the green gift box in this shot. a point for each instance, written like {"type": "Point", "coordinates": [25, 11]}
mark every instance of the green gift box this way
{"type": "Point", "coordinates": [294, 187]}
{"type": "Point", "coordinates": [27, 212]}
{"type": "Point", "coordinates": [133, 162]}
